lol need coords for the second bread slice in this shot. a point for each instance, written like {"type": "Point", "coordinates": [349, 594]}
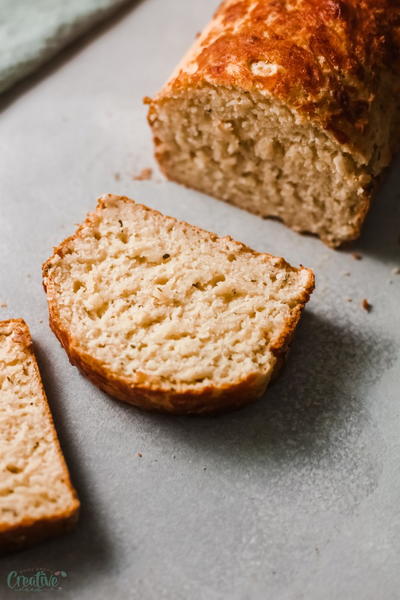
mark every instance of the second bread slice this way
{"type": "Point", "coordinates": [37, 499]}
{"type": "Point", "coordinates": [167, 316]}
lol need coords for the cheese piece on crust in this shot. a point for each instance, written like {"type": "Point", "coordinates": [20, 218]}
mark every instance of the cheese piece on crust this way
{"type": "Point", "coordinates": [287, 108]}
{"type": "Point", "coordinates": [167, 316]}
{"type": "Point", "coordinates": [36, 496]}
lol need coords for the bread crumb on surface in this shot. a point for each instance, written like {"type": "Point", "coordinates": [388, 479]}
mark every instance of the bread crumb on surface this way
{"type": "Point", "coordinates": [139, 454]}
{"type": "Point", "coordinates": [3, 305]}
{"type": "Point", "coordinates": [144, 175]}
{"type": "Point", "coordinates": [366, 305]}
{"type": "Point", "coordinates": [357, 255]}
{"type": "Point", "coordinates": [117, 176]}
{"type": "Point", "coordinates": [396, 271]}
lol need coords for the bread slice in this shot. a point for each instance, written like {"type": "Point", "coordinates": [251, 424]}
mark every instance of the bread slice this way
{"type": "Point", "coordinates": [287, 109]}
{"type": "Point", "coordinates": [36, 496]}
{"type": "Point", "coordinates": [167, 316]}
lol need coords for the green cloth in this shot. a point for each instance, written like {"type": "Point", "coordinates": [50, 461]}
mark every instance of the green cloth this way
{"type": "Point", "coordinates": [33, 31]}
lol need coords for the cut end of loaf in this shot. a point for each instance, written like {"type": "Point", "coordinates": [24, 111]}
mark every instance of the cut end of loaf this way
{"type": "Point", "coordinates": [287, 109]}
{"type": "Point", "coordinates": [167, 316]}
{"type": "Point", "coordinates": [250, 150]}
{"type": "Point", "coordinates": [36, 496]}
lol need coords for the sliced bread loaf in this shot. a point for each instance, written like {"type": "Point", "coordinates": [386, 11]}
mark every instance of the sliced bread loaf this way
{"type": "Point", "coordinates": [36, 495]}
{"type": "Point", "coordinates": [167, 316]}
{"type": "Point", "coordinates": [287, 109]}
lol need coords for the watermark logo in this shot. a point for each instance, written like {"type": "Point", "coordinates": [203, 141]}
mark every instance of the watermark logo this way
{"type": "Point", "coordinates": [36, 580]}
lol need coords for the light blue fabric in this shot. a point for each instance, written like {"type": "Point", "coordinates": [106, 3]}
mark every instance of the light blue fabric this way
{"type": "Point", "coordinates": [32, 31]}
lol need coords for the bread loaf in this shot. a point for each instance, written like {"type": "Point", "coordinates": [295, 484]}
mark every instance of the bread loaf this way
{"type": "Point", "coordinates": [36, 495]}
{"type": "Point", "coordinates": [167, 316]}
{"type": "Point", "coordinates": [287, 108]}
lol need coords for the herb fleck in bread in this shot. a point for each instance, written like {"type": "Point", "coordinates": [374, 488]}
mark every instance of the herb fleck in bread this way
{"type": "Point", "coordinates": [167, 316]}
{"type": "Point", "coordinates": [289, 109]}
{"type": "Point", "coordinates": [36, 496]}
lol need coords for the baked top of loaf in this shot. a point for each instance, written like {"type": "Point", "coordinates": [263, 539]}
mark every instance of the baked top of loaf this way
{"type": "Point", "coordinates": [330, 60]}
{"type": "Point", "coordinates": [150, 306]}
{"type": "Point", "coordinates": [35, 489]}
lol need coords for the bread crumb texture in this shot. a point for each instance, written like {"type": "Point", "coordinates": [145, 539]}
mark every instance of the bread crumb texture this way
{"type": "Point", "coordinates": [168, 316]}
{"type": "Point", "coordinates": [36, 496]}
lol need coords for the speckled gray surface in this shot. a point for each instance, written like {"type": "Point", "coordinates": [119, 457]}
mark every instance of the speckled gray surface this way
{"type": "Point", "coordinates": [296, 497]}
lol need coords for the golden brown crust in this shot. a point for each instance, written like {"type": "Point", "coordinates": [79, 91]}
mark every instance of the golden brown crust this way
{"type": "Point", "coordinates": [331, 58]}
{"type": "Point", "coordinates": [29, 531]}
{"type": "Point", "coordinates": [147, 394]}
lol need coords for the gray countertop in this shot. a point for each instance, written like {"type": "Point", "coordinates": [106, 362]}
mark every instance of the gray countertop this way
{"type": "Point", "coordinates": [296, 497]}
